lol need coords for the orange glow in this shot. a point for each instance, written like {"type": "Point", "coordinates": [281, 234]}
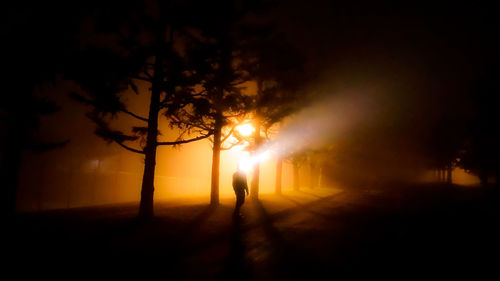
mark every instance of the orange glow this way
{"type": "Point", "coordinates": [246, 163]}
{"type": "Point", "coordinates": [245, 129]}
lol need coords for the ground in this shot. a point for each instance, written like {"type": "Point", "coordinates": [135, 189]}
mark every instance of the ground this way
{"type": "Point", "coordinates": [392, 231]}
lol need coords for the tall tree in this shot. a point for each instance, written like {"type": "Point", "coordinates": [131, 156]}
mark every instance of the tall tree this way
{"type": "Point", "coordinates": [479, 153]}
{"type": "Point", "coordinates": [147, 45]}
{"type": "Point", "coordinates": [222, 69]}
{"type": "Point", "coordinates": [444, 145]}
{"type": "Point", "coordinates": [278, 72]}
{"type": "Point", "coordinates": [235, 49]}
{"type": "Point", "coordinates": [298, 159]}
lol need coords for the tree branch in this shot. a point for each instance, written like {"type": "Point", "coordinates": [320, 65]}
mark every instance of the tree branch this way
{"type": "Point", "coordinates": [130, 148]}
{"type": "Point", "coordinates": [138, 77]}
{"type": "Point", "coordinates": [135, 115]}
{"type": "Point", "coordinates": [149, 75]}
{"type": "Point", "coordinates": [184, 141]}
{"type": "Point", "coordinates": [232, 145]}
{"type": "Point", "coordinates": [228, 134]}
{"type": "Point", "coordinates": [238, 83]}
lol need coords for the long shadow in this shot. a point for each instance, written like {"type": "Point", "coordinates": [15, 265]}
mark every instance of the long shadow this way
{"type": "Point", "coordinates": [292, 200]}
{"type": "Point", "coordinates": [196, 223]}
{"type": "Point", "coordinates": [284, 260]}
{"type": "Point", "coordinates": [161, 224]}
{"type": "Point", "coordinates": [269, 218]}
{"type": "Point", "coordinates": [236, 266]}
{"type": "Point", "coordinates": [170, 252]}
{"type": "Point", "coordinates": [306, 207]}
{"type": "Point", "coordinates": [308, 193]}
{"type": "Point", "coordinates": [329, 216]}
{"type": "Point", "coordinates": [290, 211]}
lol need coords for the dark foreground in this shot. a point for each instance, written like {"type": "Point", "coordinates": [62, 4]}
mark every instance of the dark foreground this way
{"type": "Point", "coordinates": [400, 232]}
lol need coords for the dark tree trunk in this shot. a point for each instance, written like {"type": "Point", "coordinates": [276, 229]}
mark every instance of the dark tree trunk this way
{"type": "Point", "coordinates": [279, 168]}
{"type": "Point", "coordinates": [483, 179]}
{"type": "Point", "coordinates": [279, 173]}
{"type": "Point", "coordinates": [254, 190]}
{"type": "Point", "coordinates": [10, 170]}
{"type": "Point", "coordinates": [296, 183]}
{"type": "Point", "coordinates": [449, 173]}
{"type": "Point", "coordinates": [320, 176]}
{"type": "Point", "coordinates": [214, 188]}
{"type": "Point", "coordinates": [147, 191]}
{"type": "Point", "coordinates": [313, 175]}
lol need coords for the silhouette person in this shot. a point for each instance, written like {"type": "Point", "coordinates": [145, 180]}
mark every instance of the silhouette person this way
{"type": "Point", "coordinates": [240, 187]}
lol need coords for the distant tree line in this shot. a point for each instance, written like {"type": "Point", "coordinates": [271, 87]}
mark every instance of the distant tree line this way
{"type": "Point", "coordinates": [470, 140]}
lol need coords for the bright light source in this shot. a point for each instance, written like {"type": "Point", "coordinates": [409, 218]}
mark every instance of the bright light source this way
{"type": "Point", "coordinates": [245, 129]}
{"type": "Point", "coordinates": [246, 164]}
{"type": "Point", "coordinates": [240, 147]}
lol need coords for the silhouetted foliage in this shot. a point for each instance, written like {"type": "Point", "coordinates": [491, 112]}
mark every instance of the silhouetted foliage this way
{"type": "Point", "coordinates": [278, 69]}
{"type": "Point", "coordinates": [223, 66]}
{"type": "Point", "coordinates": [445, 140]}
{"type": "Point", "coordinates": [480, 152]}
{"type": "Point", "coordinates": [148, 51]}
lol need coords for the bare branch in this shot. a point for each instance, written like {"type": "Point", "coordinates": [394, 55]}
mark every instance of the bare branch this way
{"type": "Point", "coordinates": [185, 141]}
{"type": "Point", "coordinates": [130, 148]}
{"type": "Point", "coordinates": [238, 83]}
{"type": "Point", "coordinates": [149, 75]}
{"type": "Point", "coordinates": [135, 115]}
{"type": "Point", "coordinates": [232, 145]}
{"type": "Point", "coordinates": [176, 121]}
{"type": "Point", "coordinates": [228, 134]}
{"type": "Point", "coordinates": [200, 93]}
{"type": "Point", "coordinates": [138, 77]}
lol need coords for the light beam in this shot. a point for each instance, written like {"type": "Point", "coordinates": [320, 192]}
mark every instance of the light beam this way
{"type": "Point", "coordinates": [246, 164]}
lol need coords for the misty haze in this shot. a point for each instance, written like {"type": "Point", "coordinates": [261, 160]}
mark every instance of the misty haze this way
{"type": "Point", "coordinates": [250, 140]}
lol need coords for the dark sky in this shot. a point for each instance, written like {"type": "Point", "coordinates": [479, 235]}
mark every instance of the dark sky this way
{"type": "Point", "coordinates": [378, 29]}
{"type": "Point", "coordinates": [438, 38]}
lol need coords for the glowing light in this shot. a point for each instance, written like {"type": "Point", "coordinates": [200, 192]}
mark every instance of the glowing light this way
{"type": "Point", "coordinates": [241, 146]}
{"type": "Point", "coordinates": [246, 164]}
{"type": "Point", "coordinates": [245, 129]}
{"type": "Point", "coordinates": [265, 155]}
{"type": "Point", "coordinates": [232, 139]}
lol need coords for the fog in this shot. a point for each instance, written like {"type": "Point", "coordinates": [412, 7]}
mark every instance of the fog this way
{"type": "Point", "coordinates": [362, 130]}
{"type": "Point", "coordinates": [88, 171]}
{"type": "Point", "coordinates": [379, 91]}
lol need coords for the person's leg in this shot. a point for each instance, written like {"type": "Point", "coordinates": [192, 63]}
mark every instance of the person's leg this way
{"type": "Point", "coordinates": [239, 201]}
{"type": "Point", "coordinates": [236, 206]}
